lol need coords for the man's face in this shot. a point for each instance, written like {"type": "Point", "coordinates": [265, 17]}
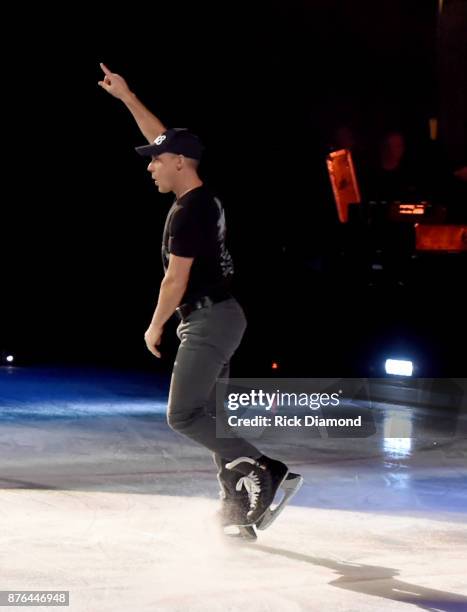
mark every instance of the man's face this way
{"type": "Point", "coordinates": [163, 169]}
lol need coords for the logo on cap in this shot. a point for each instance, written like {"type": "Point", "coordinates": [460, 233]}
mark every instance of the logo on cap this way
{"type": "Point", "coordinates": [160, 139]}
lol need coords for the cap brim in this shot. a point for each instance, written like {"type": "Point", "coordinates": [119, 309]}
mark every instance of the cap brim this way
{"type": "Point", "coordinates": [149, 150]}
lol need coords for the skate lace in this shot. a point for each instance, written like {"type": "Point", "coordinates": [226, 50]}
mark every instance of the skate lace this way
{"type": "Point", "coordinates": [252, 485]}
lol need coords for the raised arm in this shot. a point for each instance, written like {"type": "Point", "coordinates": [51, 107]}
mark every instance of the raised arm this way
{"type": "Point", "coordinates": [150, 125]}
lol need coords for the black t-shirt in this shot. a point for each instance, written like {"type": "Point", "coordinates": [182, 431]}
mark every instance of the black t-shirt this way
{"type": "Point", "coordinates": [195, 227]}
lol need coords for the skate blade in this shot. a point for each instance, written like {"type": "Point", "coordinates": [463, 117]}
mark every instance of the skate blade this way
{"type": "Point", "coordinates": [291, 485]}
{"type": "Point", "coordinates": [241, 533]}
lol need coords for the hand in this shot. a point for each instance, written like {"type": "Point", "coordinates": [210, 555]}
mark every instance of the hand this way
{"type": "Point", "coordinates": [152, 337]}
{"type": "Point", "coordinates": [114, 84]}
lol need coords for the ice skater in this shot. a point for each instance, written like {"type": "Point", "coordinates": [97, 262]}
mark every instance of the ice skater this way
{"type": "Point", "coordinates": [197, 286]}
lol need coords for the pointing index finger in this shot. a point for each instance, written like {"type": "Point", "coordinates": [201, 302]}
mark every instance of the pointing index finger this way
{"type": "Point", "coordinates": [105, 69]}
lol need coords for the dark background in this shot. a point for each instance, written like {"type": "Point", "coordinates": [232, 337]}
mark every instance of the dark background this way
{"type": "Point", "coordinates": [262, 84]}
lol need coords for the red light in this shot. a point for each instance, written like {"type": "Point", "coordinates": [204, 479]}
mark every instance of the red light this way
{"type": "Point", "coordinates": [447, 238]}
{"type": "Point", "coordinates": [274, 365]}
{"type": "Point", "coordinates": [344, 182]}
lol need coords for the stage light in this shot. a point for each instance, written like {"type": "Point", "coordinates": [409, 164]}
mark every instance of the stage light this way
{"type": "Point", "coordinates": [6, 358]}
{"type": "Point", "coordinates": [274, 365]}
{"type": "Point", "coordinates": [399, 367]}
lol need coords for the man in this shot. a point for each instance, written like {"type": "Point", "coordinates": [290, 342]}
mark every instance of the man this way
{"type": "Point", "coordinates": [198, 274]}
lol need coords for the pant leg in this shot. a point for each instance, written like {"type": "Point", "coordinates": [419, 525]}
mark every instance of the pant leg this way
{"type": "Point", "coordinates": [209, 338]}
{"type": "Point", "coordinates": [227, 480]}
{"type": "Point", "coordinates": [211, 409]}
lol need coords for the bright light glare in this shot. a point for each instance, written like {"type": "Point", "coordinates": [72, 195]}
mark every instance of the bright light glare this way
{"type": "Point", "coordinates": [399, 367]}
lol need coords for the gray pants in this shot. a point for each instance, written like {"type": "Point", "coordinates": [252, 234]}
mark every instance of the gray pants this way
{"type": "Point", "coordinates": [209, 337]}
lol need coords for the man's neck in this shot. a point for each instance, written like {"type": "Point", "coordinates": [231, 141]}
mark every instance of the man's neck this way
{"type": "Point", "coordinates": [184, 189]}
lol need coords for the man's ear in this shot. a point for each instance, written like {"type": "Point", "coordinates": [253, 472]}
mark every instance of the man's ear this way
{"type": "Point", "coordinates": [180, 162]}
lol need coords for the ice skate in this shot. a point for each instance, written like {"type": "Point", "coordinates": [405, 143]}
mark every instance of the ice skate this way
{"type": "Point", "coordinates": [290, 486]}
{"type": "Point", "coordinates": [261, 483]}
{"type": "Point", "coordinates": [234, 506]}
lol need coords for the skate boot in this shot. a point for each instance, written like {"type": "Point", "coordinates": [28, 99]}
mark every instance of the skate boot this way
{"type": "Point", "coordinates": [261, 480]}
{"type": "Point", "coordinates": [234, 505]}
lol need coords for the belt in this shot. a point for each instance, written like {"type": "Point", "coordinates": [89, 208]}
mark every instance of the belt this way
{"type": "Point", "coordinates": [206, 300]}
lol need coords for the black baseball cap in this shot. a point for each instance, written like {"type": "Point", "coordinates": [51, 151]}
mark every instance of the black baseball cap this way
{"type": "Point", "coordinates": [174, 140]}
